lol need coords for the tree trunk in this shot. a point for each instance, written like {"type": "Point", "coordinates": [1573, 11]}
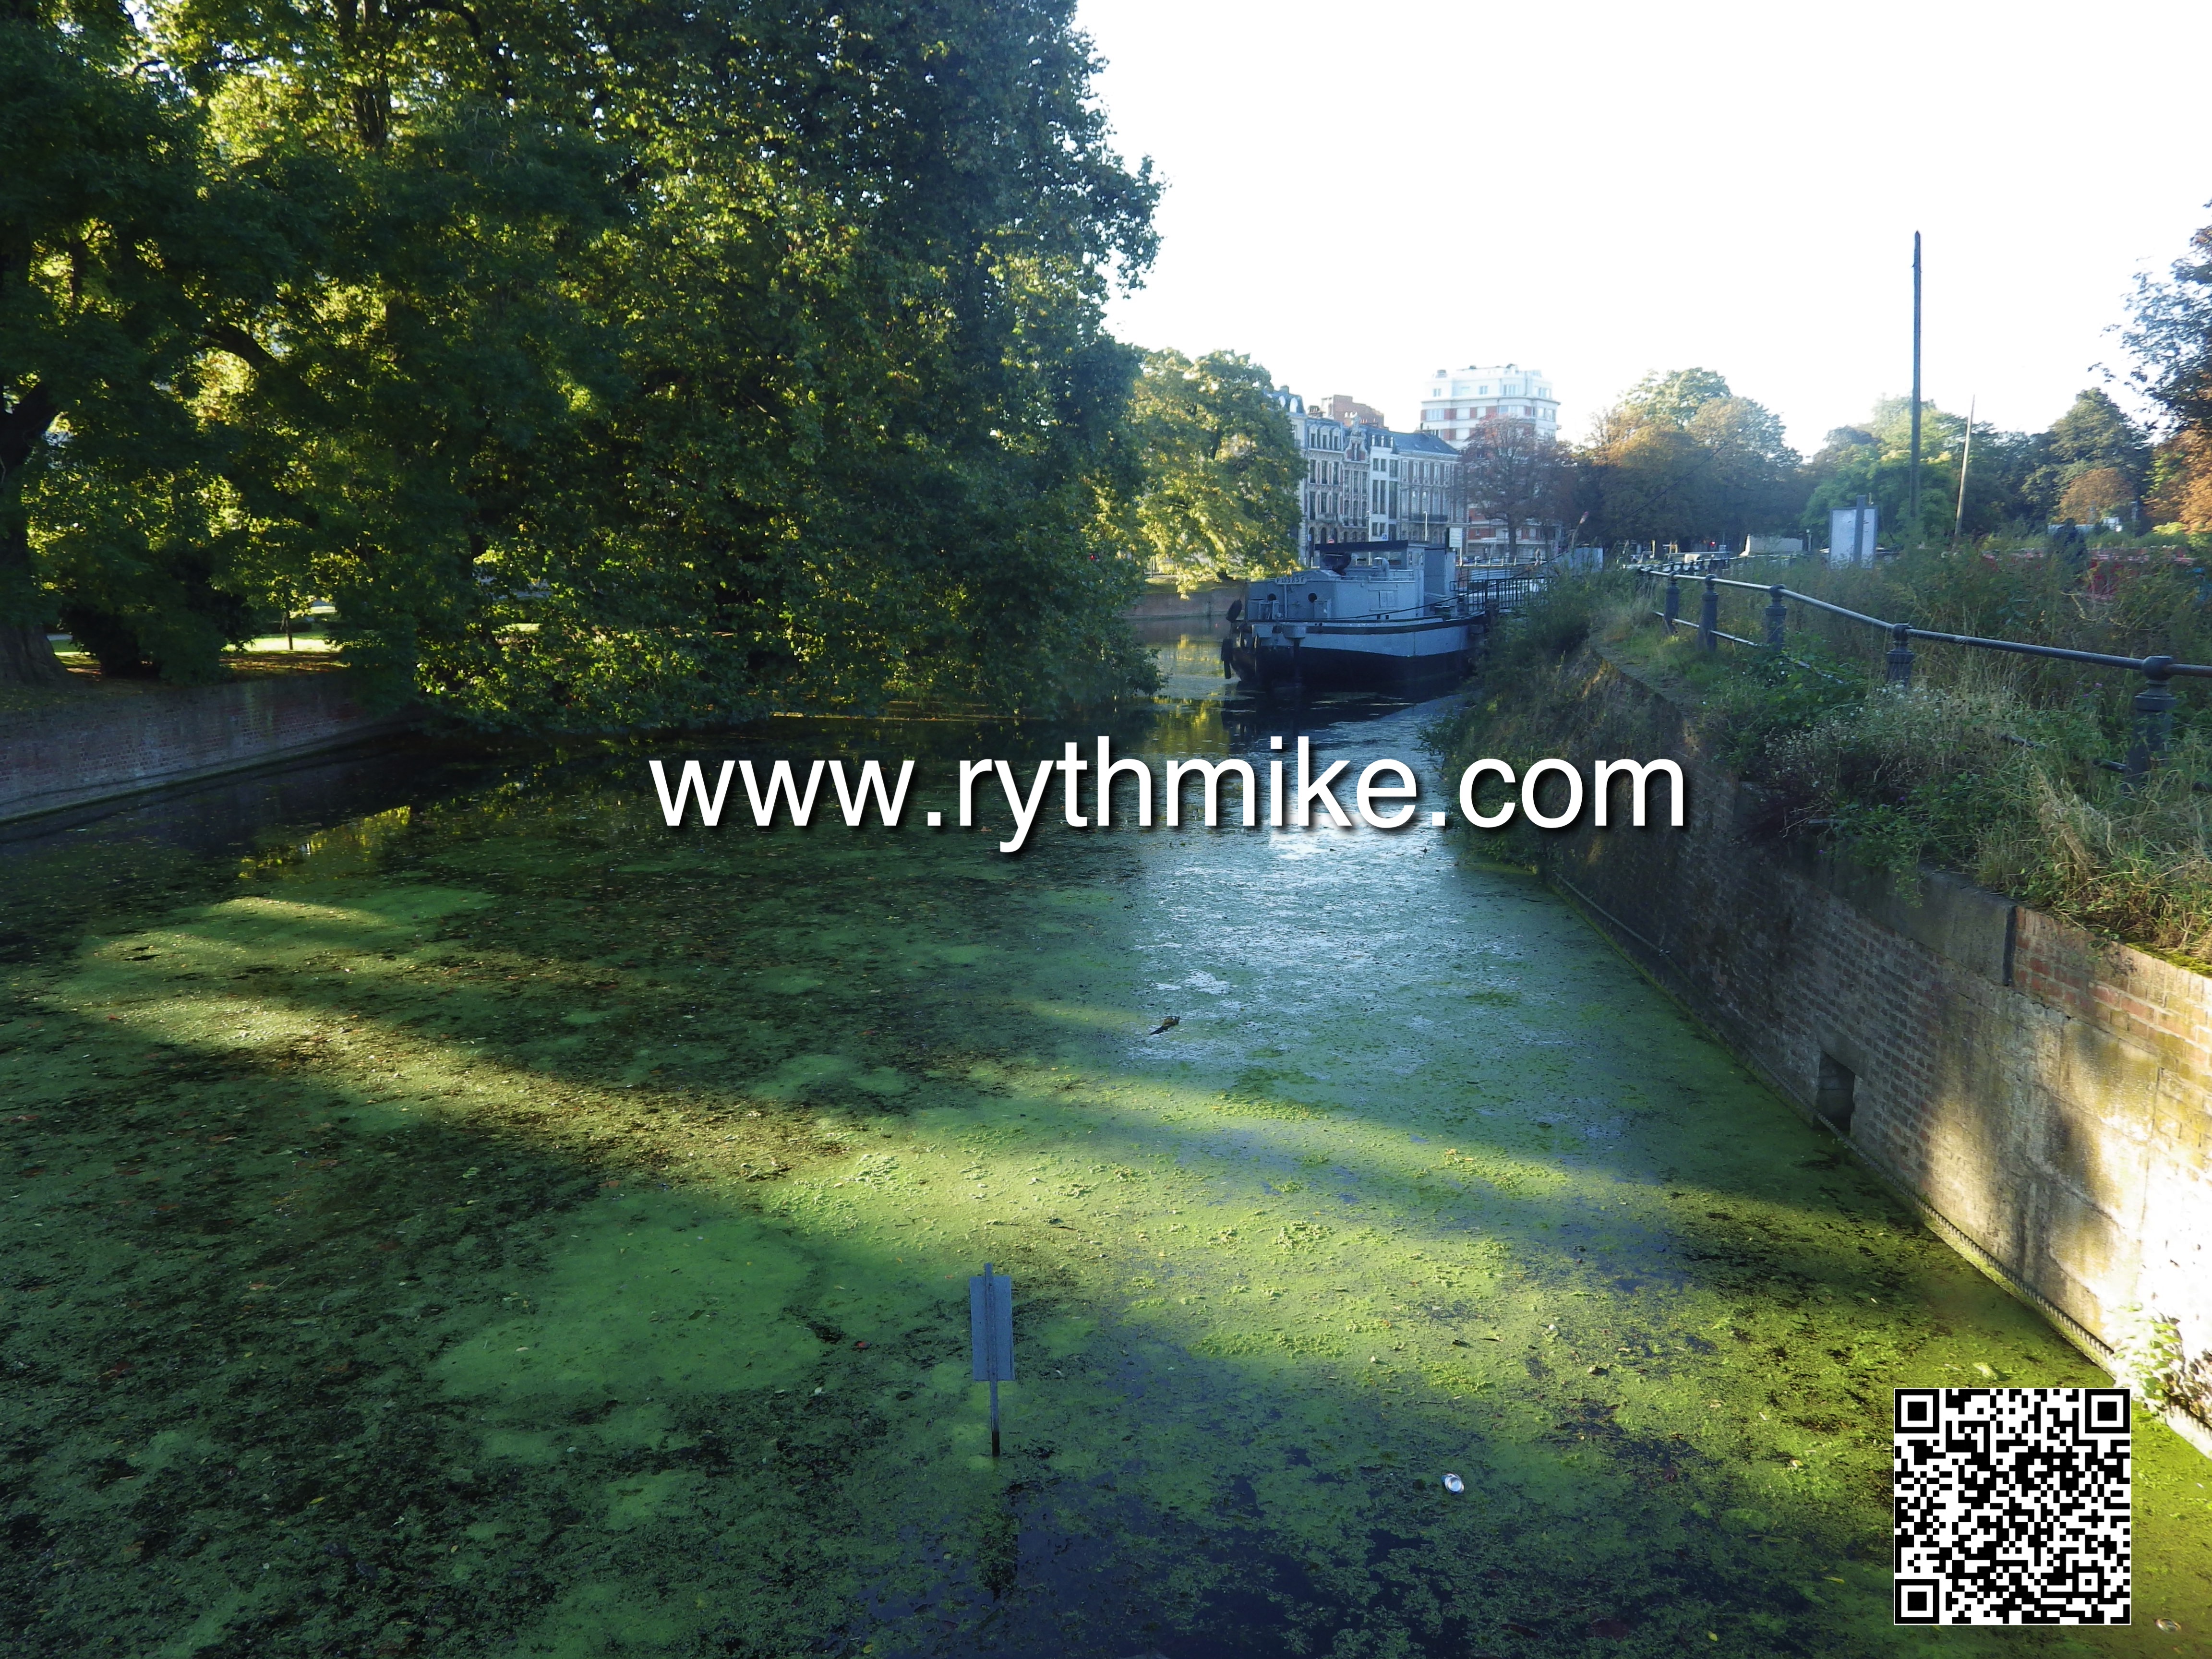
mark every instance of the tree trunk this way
{"type": "Point", "coordinates": [26, 658]}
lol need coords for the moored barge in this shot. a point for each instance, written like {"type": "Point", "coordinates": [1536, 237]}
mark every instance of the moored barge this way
{"type": "Point", "coordinates": [1380, 615]}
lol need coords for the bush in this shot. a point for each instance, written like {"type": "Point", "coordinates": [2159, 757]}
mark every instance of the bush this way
{"type": "Point", "coordinates": [1989, 765]}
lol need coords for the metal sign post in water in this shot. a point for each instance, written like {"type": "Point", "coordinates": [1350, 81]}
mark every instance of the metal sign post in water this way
{"type": "Point", "coordinates": [991, 1328]}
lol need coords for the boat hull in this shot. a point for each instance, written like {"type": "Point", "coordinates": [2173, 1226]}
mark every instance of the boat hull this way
{"type": "Point", "coordinates": [1354, 656]}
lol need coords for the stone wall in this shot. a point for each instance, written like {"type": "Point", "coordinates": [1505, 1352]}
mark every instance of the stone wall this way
{"type": "Point", "coordinates": [109, 746]}
{"type": "Point", "coordinates": [2042, 1097]}
{"type": "Point", "coordinates": [1163, 604]}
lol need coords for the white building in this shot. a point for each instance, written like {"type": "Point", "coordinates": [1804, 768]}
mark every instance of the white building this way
{"type": "Point", "coordinates": [1457, 398]}
{"type": "Point", "coordinates": [1362, 482]}
{"type": "Point", "coordinates": [1332, 496]}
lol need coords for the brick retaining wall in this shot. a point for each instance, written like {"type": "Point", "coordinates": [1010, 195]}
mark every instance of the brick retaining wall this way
{"type": "Point", "coordinates": [2042, 1097]}
{"type": "Point", "coordinates": [69, 756]}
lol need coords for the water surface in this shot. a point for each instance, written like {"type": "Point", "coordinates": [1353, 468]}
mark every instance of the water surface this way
{"type": "Point", "coordinates": [453, 1213]}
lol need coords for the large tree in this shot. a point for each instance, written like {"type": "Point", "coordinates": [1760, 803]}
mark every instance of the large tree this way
{"type": "Point", "coordinates": [626, 366]}
{"type": "Point", "coordinates": [2171, 335]}
{"type": "Point", "coordinates": [1675, 395]}
{"type": "Point", "coordinates": [109, 232]}
{"type": "Point", "coordinates": [1681, 459]}
{"type": "Point", "coordinates": [2181, 481]}
{"type": "Point", "coordinates": [1651, 483]}
{"type": "Point", "coordinates": [1874, 459]}
{"type": "Point", "coordinates": [2094, 436]}
{"type": "Point", "coordinates": [1752, 473]}
{"type": "Point", "coordinates": [1512, 474]}
{"type": "Point", "coordinates": [1215, 492]}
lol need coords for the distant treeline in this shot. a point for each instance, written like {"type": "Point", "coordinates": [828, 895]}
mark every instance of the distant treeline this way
{"type": "Point", "coordinates": [1684, 460]}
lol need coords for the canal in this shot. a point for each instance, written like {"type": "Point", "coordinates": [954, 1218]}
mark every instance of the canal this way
{"type": "Point", "coordinates": [447, 1212]}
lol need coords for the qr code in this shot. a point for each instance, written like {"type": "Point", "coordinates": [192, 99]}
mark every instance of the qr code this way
{"type": "Point", "coordinates": [2012, 1506]}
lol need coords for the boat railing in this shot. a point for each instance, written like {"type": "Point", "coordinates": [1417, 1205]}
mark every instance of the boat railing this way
{"type": "Point", "coordinates": [1480, 596]}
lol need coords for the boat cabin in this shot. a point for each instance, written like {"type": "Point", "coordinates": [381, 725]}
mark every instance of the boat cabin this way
{"type": "Point", "coordinates": [1356, 581]}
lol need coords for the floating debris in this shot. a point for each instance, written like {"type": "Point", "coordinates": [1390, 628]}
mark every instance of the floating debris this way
{"type": "Point", "coordinates": [1167, 1024]}
{"type": "Point", "coordinates": [1453, 1483]}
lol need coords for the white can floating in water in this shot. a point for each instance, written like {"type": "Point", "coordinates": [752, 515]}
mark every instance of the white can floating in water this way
{"type": "Point", "coordinates": [1453, 1483]}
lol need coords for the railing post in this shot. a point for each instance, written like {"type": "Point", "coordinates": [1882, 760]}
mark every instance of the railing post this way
{"type": "Point", "coordinates": [1777, 617]}
{"type": "Point", "coordinates": [1900, 655]}
{"type": "Point", "coordinates": [1709, 617]}
{"type": "Point", "coordinates": [2154, 718]}
{"type": "Point", "coordinates": [1674, 597]}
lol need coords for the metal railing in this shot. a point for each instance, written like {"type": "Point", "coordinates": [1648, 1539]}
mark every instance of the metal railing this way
{"type": "Point", "coordinates": [2154, 704]}
{"type": "Point", "coordinates": [1484, 591]}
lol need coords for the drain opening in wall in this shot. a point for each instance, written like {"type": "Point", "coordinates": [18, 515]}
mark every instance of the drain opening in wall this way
{"type": "Point", "coordinates": [1835, 1100]}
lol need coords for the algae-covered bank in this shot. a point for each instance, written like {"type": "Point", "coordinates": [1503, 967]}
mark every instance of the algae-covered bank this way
{"type": "Point", "coordinates": [450, 1212]}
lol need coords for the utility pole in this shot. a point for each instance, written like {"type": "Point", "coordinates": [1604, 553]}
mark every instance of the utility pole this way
{"type": "Point", "coordinates": [1966, 460]}
{"type": "Point", "coordinates": [1913, 493]}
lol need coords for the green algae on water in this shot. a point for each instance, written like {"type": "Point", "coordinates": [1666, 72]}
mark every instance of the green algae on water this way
{"type": "Point", "coordinates": [505, 1226]}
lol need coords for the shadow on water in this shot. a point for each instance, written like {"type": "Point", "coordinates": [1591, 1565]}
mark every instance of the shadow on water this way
{"type": "Point", "coordinates": [238, 811]}
{"type": "Point", "coordinates": [125, 855]}
{"type": "Point", "coordinates": [494, 1223]}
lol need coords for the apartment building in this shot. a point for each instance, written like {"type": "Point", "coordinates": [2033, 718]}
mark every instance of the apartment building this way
{"type": "Point", "coordinates": [1332, 495]}
{"type": "Point", "coordinates": [1364, 482]}
{"type": "Point", "coordinates": [1427, 487]}
{"type": "Point", "coordinates": [1455, 399]}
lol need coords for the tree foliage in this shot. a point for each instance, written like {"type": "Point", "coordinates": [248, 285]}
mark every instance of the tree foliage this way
{"type": "Point", "coordinates": [2180, 493]}
{"type": "Point", "coordinates": [2017, 482]}
{"type": "Point", "coordinates": [110, 257]}
{"type": "Point", "coordinates": [1512, 474]}
{"type": "Point", "coordinates": [1672, 398]}
{"type": "Point", "coordinates": [1213, 495]}
{"type": "Point", "coordinates": [2171, 336]}
{"type": "Point", "coordinates": [2093, 437]}
{"type": "Point", "coordinates": [604, 365]}
{"type": "Point", "coordinates": [1682, 460]}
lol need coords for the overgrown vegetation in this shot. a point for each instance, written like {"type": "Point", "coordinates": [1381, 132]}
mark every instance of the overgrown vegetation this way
{"type": "Point", "coordinates": [1993, 766]}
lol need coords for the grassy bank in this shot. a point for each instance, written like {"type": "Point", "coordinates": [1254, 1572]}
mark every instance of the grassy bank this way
{"type": "Point", "coordinates": [1989, 765]}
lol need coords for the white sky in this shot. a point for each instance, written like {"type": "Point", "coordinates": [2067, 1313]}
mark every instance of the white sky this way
{"type": "Point", "coordinates": [1358, 195]}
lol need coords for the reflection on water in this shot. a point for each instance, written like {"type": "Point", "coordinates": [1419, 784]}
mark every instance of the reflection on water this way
{"type": "Point", "coordinates": [1190, 663]}
{"type": "Point", "coordinates": [1200, 711]}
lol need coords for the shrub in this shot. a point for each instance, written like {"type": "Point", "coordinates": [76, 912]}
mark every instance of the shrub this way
{"type": "Point", "coordinates": [1993, 766]}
